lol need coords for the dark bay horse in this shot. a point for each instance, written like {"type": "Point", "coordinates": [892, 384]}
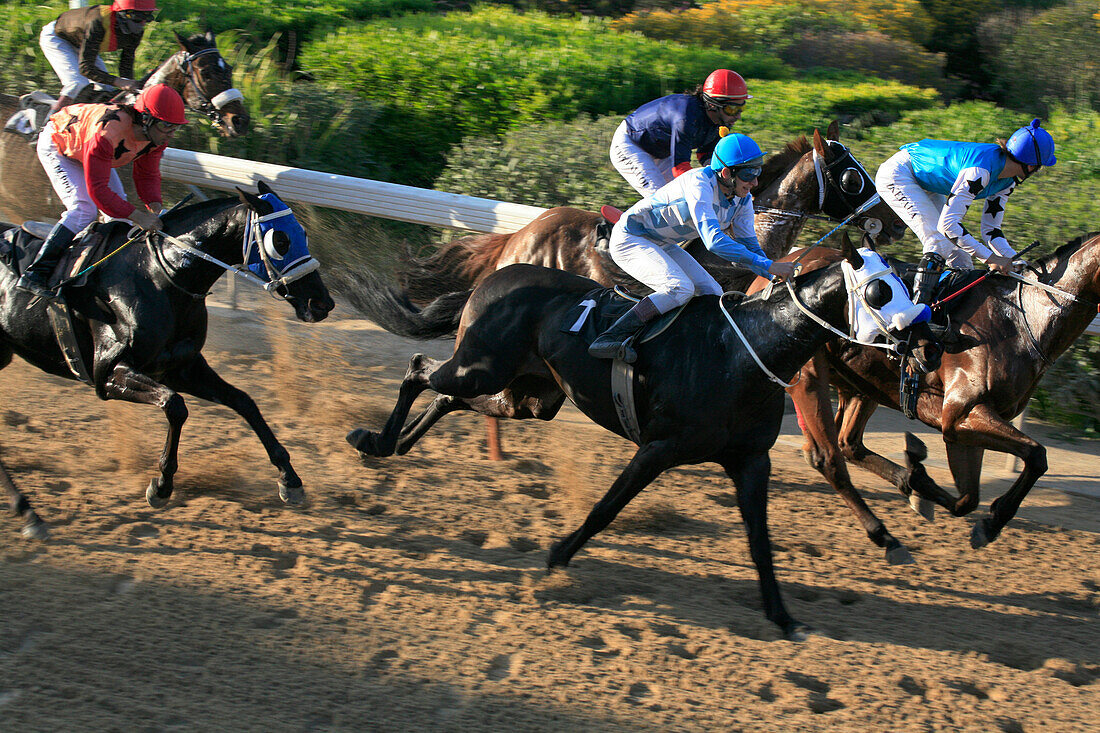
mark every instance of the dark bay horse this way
{"type": "Point", "coordinates": [198, 72]}
{"type": "Point", "coordinates": [700, 395]}
{"type": "Point", "coordinates": [804, 180]}
{"type": "Point", "coordinates": [1010, 332]}
{"type": "Point", "coordinates": [144, 338]}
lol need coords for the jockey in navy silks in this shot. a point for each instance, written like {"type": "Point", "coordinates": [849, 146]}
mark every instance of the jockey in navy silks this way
{"type": "Point", "coordinates": [932, 183]}
{"type": "Point", "coordinates": [653, 144]}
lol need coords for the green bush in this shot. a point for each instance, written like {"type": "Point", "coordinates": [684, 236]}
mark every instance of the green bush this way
{"type": "Point", "coordinates": [869, 52]}
{"type": "Point", "coordinates": [441, 79]}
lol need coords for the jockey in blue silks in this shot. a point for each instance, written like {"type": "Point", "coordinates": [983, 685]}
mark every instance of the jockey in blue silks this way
{"type": "Point", "coordinates": [712, 203]}
{"type": "Point", "coordinates": [932, 183]}
{"type": "Point", "coordinates": [653, 144]}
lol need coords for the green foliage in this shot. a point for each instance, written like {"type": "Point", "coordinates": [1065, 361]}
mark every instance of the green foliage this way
{"type": "Point", "coordinates": [869, 52]}
{"type": "Point", "coordinates": [1052, 57]}
{"type": "Point", "coordinates": [444, 78]}
{"type": "Point", "coordinates": [1069, 394]}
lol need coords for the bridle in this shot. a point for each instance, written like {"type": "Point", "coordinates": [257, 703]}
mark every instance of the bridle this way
{"type": "Point", "coordinates": [208, 106]}
{"type": "Point", "coordinates": [833, 192]}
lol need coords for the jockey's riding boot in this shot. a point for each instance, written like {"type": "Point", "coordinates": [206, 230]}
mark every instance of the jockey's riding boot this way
{"type": "Point", "coordinates": [36, 277]}
{"type": "Point", "coordinates": [614, 343]}
{"type": "Point", "coordinates": [928, 274]}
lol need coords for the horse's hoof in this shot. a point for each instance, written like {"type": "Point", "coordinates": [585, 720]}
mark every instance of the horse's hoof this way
{"type": "Point", "coordinates": [153, 495]}
{"type": "Point", "coordinates": [36, 531]}
{"type": "Point", "coordinates": [293, 495]}
{"type": "Point", "coordinates": [899, 556]}
{"type": "Point", "coordinates": [981, 535]}
{"type": "Point", "coordinates": [365, 441]}
{"type": "Point", "coordinates": [556, 559]}
{"type": "Point", "coordinates": [922, 506]}
{"type": "Point", "coordinates": [798, 632]}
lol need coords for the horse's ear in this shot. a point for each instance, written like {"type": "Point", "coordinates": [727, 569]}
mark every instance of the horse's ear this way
{"type": "Point", "coordinates": [253, 201]}
{"type": "Point", "coordinates": [263, 187]}
{"type": "Point", "coordinates": [210, 37]}
{"type": "Point", "coordinates": [868, 241]}
{"type": "Point", "coordinates": [855, 259]}
{"type": "Point", "coordinates": [819, 143]}
{"type": "Point", "coordinates": [833, 133]}
{"type": "Point", "coordinates": [182, 41]}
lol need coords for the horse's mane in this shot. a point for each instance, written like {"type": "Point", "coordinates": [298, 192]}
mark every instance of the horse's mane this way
{"type": "Point", "coordinates": [454, 266]}
{"type": "Point", "coordinates": [1066, 249]}
{"type": "Point", "coordinates": [781, 162]}
{"type": "Point", "coordinates": [201, 211]}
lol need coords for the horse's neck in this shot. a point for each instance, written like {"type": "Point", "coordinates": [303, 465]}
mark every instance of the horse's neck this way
{"type": "Point", "coordinates": [170, 73]}
{"type": "Point", "coordinates": [1055, 320]}
{"type": "Point", "coordinates": [221, 237]}
{"type": "Point", "coordinates": [791, 193]}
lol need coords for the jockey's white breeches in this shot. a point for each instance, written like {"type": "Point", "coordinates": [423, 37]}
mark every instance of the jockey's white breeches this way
{"type": "Point", "coordinates": [64, 57]}
{"type": "Point", "coordinates": [918, 208]}
{"type": "Point", "coordinates": [674, 275]}
{"type": "Point", "coordinates": [67, 177]}
{"type": "Point", "coordinates": [640, 169]}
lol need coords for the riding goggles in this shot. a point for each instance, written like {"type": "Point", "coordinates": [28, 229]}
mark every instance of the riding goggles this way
{"type": "Point", "coordinates": [166, 127]}
{"type": "Point", "coordinates": [747, 173]}
{"type": "Point", "coordinates": [137, 16]}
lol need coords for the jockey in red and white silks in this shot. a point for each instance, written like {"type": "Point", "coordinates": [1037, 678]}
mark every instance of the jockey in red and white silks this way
{"type": "Point", "coordinates": [653, 144]}
{"type": "Point", "coordinates": [713, 203]}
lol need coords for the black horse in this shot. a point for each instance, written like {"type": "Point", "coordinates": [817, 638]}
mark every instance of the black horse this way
{"type": "Point", "coordinates": [699, 392]}
{"type": "Point", "coordinates": [140, 321]}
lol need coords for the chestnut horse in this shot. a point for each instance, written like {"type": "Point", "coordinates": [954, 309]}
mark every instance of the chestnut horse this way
{"type": "Point", "coordinates": [802, 181]}
{"type": "Point", "coordinates": [1011, 333]}
{"type": "Point", "coordinates": [198, 72]}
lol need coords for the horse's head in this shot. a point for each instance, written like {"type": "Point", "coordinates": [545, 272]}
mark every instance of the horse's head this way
{"type": "Point", "coordinates": [879, 308]}
{"type": "Point", "coordinates": [207, 84]}
{"type": "Point", "coordinates": [277, 251]}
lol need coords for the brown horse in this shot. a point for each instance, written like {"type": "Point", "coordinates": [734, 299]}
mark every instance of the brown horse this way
{"type": "Point", "coordinates": [198, 72]}
{"type": "Point", "coordinates": [802, 181]}
{"type": "Point", "coordinates": [1011, 333]}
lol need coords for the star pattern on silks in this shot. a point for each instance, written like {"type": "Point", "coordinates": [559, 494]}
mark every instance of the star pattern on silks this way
{"type": "Point", "coordinates": [950, 198]}
{"type": "Point", "coordinates": [996, 233]}
{"type": "Point", "coordinates": [993, 207]}
{"type": "Point", "coordinates": [110, 115]}
{"type": "Point", "coordinates": [121, 150]}
{"type": "Point", "coordinates": [975, 186]}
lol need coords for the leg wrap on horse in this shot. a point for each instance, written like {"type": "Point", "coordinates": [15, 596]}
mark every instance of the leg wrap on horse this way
{"type": "Point", "coordinates": [928, 274]}
{"type": "Point", "coordinates": [612, 343]}
{"type": "Point", "coordinates": [35, 278]}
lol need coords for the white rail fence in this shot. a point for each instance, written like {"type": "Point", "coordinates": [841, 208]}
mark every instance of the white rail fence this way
{"type": "Point", "coordinates": [359, 195]}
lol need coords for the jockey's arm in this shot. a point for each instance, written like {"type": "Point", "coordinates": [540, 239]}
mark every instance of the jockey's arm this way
{"type": "Point", "coordinates": [97, 176]}
{"type": "Point", "coordinates": [147, 177]}
{"type": "Point", "coordinates": [968, 184]}
{"type": "Point", "coordinates": [992, 217]}
{"type": "Point", "coordinates": [679, 148]}
{"type": "Point", "coordinates": [94, 34]}
{"type": "Point", "coordinates": [742, 247]}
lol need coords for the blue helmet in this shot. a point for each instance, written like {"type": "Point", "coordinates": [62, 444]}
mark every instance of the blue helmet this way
{"type": "Point", "coordinates": [1032, 145]}
{"type": "Point", "coordinates": [735, 149]}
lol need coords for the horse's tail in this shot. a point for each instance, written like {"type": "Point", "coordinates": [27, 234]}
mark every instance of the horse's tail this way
{"type": "Point", "coordinates": [455, 266]}
{"type": "Point", "coordinates": [395, 312]}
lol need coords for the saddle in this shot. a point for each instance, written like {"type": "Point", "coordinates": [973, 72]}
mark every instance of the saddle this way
{"type": "Point", "coordinates": [19, 246]}
{"type": "Point", "coordinates": [34, 110]}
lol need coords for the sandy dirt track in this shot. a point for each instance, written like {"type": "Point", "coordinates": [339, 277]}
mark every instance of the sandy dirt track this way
{"type": "Point", "coordinates": [409, 594]}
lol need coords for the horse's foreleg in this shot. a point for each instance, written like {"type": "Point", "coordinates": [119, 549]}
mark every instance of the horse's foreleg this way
{"type": "Point", "coordinates": [384, 443]}
{"type": "Point", "coordinates": [985, 428]}
{"type": "Point", "coordinates": [440, 406]}
{"type": "Point", "coordinates": [33, 526]}
{"type": "Point", "coordinates": [200, 380]}
{"type": "Point", "coordinates": [648, 463]}
{"type": "Point", "coordinates": [750, 476]}
{"type": "Point", "coordinates": [908, 479]}
{"type": "Point", "coordinates": [811, 397]}
{"type": "Point", "coordinates": [124, 383]}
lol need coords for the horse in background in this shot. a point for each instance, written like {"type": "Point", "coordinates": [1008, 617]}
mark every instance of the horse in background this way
{"type": "Point", "coordinates": [706, 389]}
{"type": "Point", "coordinates": [1009, 333]}
{"type": "Point", "coordinates": [197, 71]}
{"type": "Point", "coordinates": [140, 321]}
{"type": "Point", "coordinates": [818, 179]}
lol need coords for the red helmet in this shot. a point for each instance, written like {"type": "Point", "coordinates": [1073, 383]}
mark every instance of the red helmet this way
{"type": "Point", "coordinates": [161, 102]}
{"type": "Point", "coordinates": [147, 5]}
{"type": "Point", "coordinates": [725, 84]}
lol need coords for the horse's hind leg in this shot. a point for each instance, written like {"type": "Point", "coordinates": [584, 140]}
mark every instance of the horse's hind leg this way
{"type": "Point", "coordinates": [811, 397]}
{"type": "Point", "coordinates": [33, 526]}
{"type": "Point", "coordinates": [440, 406]}
{"type": "Point", "coordinates": [384, 443]}
{"type": "Point", "coordinates": [200, 380]}
{"type": "Point", "coordinates": [126, 384]}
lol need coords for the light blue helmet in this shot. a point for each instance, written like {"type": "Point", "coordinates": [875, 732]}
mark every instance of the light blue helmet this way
{"type": "Point", "coordinates": [1032, 145]}
{"type": "Point", "coordinates": [735, 149]}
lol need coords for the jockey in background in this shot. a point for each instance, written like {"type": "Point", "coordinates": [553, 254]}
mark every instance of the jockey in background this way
{"type": "Point", "coordinates": [81, 146]}
{"type": "Point", "coordinates": [73, 42]}
{"type": "Point", "coordinates": [932, 183]}
{"type": "Point", "coordinates": [653, 144]}
{"type": "Point", "coordinates": [704, 202]}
